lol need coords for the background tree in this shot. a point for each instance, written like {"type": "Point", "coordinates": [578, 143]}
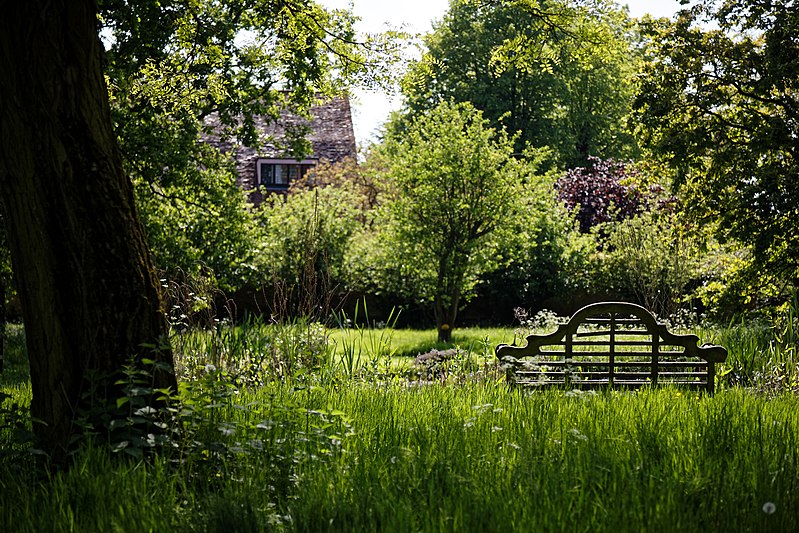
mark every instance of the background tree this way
{"type": "Point", "coordinates": [183, 71]}
{"type": "Point", "coordinates": [720, 106]}
{"type": "Point", "coordinates": [452, 181]}
{"type": "Point", "coordinates": [542, 257]}
{"type": "Point", "coordinates": [558, 73]}
{"type": "Point", "coordinates": [89, 295]}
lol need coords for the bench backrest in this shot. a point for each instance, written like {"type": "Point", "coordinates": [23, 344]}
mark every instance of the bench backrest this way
{"type": "Point", "coordinates": [613, 344]}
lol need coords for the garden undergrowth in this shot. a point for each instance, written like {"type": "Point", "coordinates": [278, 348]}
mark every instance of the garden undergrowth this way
{"type": "Point", "coordinates": [316, 447]}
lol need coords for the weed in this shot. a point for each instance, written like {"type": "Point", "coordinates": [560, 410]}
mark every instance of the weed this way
{"type": "Point", "coordinates": [364, 349]}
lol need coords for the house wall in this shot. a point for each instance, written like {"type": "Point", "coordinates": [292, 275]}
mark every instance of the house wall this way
{"type": "Point", "coordinates": [332, 138]}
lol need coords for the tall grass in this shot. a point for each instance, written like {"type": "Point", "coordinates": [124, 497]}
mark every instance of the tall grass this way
{"type": "Point", "coordinates": [762, 353]}
{"type": "Point", "coordinates": [475, 458]}
{"type": "Point", "coordinates": [488, 459]}
{"type": "Point", "coordinates": [311, 445]}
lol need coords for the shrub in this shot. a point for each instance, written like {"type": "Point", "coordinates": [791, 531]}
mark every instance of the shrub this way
{"type": "Point", "coordinates": [651, 258]}
{"type": "Point", "coordinates": [305, 236]}
{"type": "Point", "coordinates": [606, 191]}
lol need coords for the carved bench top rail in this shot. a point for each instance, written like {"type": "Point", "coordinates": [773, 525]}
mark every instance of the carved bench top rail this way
{"type": "Point", "coordinates": [612, 344]}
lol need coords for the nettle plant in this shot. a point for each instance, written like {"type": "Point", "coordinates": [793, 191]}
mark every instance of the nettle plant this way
{"type": "Point", "coordinates": [213, 429]}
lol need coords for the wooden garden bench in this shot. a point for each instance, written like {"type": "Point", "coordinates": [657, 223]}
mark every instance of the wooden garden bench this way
{"type": "Point", "coordinates": [612, 344]}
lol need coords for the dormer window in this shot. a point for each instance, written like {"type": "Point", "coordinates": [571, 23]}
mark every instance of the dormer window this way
{"type": "Point", "coordinates": [279, 174]}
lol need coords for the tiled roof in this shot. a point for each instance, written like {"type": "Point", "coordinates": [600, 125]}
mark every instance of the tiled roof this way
{"type": "Point", "coordinates": [331, 136]}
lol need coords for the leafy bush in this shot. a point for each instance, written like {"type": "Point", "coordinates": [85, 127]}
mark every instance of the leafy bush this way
{"type": "Point", "coordinates": [541, 256]}
{"type": "Point", "coordinates": [650, 258]}
{"type": "Point", "coordinates": [605, 191]}
{"type": "Point", "coordinates": [764, 351]}
{"type": "Point", "coordinates": [204, 229]}
{"type": "Point", "coordinates": [305, 237]}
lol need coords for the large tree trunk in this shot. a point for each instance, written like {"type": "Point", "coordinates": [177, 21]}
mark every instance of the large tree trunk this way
{"type": "Point", "coordinates": [89, 294]}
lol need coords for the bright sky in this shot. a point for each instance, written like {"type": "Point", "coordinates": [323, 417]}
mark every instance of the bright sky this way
{"type": "Point", "coordinates": [370, 110]}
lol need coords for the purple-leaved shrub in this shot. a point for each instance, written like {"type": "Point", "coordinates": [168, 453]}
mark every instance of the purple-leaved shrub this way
{"type": "Point", "coordinates": [606, 190]}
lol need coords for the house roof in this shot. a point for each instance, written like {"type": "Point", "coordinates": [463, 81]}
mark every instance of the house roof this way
{"type": "Point", "coordinates": [331, 135]}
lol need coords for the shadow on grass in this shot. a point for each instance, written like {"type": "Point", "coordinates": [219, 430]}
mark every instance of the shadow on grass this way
{"type": "Point", "coordinates": [478, 341]}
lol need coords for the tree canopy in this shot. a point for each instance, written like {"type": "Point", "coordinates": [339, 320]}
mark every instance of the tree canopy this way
{"type": "Point", "coordinates": [182, 71]}
{"type": "Point", "coordinates": [719, 104]}
{"type": "Point", "coordinates": [558, 73]}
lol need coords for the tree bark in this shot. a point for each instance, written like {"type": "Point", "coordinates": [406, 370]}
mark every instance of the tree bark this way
{"type": "Point", "coordinates": [3, 320]}
{"type": "Point", "coordinates": [443, 324]}
{"type": "Point", "coordinates": [90, 297]}
{"type": "Point", "coordinates": [446, 312]}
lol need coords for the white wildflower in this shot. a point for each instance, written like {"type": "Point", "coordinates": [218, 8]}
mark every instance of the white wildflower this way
{"type": "Point", "coordinates": [577, 434]}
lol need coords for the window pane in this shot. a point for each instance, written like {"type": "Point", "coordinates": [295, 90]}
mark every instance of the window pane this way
{"type": "Point", "coordinates": [280, 174]}
{"type": "Point", "coordinates": [267, 174]}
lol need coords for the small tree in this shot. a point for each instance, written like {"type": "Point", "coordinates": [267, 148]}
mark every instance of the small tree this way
{"type": "Point", "coordinates": [452, 181]}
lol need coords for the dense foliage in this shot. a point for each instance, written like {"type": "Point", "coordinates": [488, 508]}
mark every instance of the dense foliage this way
{"type": "Point", "coordinates": [542, 258]}
{"type": "Point", "coordinates": [306, 236]}
{"type": "Point", "coordinates": [558, 73]}
{"type": "Point", "coordinates": [181, 72]}
{"type": "Point", "coordinates": [653, 258]}
{"type": "Point", "coordinates": [718, 103]}
{"type": "Point", "coordinates": [604, 191]}
{"type": "Point", "coordinates": [454, 190]}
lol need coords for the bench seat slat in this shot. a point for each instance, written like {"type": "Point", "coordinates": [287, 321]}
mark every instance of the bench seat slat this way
{"type": "Point", "coordinates": [619, 338]}
{"type": "Point", "coordinates": [599, 353]}
{"type": "Point", "coordinates": [607, 343]}
{"type": "Point", "coordinates": [596, 320]}
{"type": "Point", "coordinates": [605, 333]}
{"type": "Point", "coordinates": [618, 364]}
{"type": "Point", "coordinates": [695, 385]}
{"type": "Point", "coordinates": [617, 375]}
